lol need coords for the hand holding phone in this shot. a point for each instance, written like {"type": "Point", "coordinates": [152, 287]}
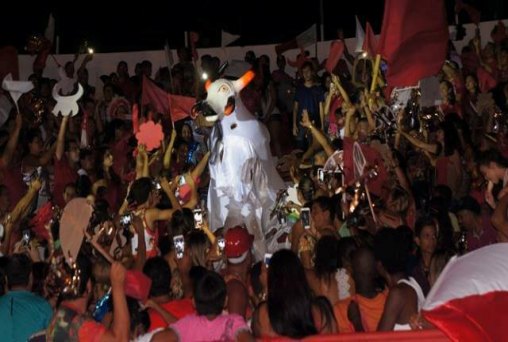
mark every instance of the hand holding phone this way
{"type": "Point", "coordinates": [221, 244]}
{"type": "Point", "coordinates": [198, 218]}
{"type": "Point", "coordinates": [267, 258]}
{"type": "Point", "coordinates": [305, 217]}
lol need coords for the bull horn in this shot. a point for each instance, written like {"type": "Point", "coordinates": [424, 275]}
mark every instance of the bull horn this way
{"type": "Point", "coordinates": [208, 83]}
{"type": "Point", "coordinates": [240, 83]}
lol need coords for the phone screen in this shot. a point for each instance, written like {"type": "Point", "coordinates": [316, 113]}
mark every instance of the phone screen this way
{"type": "Point", "coordinates": [26, 236]}
{"type": "Point", "coordinates": [321, 175]}
{"type": "Point", "coordinates": [126, 219]}
{"type": "Point", "coordinates": [198, 218]}
{"type": "Point", "coordinates": [221, 243]}
{"type": "Point", "coordinates": [267, 258]}
{"type": "Point", "coordinates": [179, 244]}
{"type": "Point", "coordinates": [305, 217]}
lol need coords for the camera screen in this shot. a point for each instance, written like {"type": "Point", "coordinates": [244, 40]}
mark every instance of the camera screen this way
{"type": "Point", "coordinates": [305, 216]}
{"type": "Point", "coordinates": [221, 243]}
{"type": "Point", "coordinates": [267, 259]}
{"type": "Point", "coordinates": [198, 218]}
{"type": "Point", "coordinates": [321, 175]}
{"type": "Point", "coordinates": [126, 219]}
{"type": "Point", "coordinates": [179, 244]}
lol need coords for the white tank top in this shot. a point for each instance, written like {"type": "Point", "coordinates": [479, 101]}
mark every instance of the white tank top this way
{"type": "Point", "coordinates": [420, 299]}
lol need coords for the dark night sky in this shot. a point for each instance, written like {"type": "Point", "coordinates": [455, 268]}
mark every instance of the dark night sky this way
{"type": "Point", "coordinates": [130, 28]}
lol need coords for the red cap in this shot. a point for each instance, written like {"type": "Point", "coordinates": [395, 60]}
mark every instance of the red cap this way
{"type": "Point", "coordinates": [238, 241]}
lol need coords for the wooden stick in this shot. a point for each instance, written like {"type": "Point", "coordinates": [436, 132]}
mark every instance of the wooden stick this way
{"type": "Point", "coordinates": [375, 73]}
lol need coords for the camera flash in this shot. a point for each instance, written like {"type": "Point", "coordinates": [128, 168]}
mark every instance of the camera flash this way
{"type": "Point", "coordinates": [204, 76]}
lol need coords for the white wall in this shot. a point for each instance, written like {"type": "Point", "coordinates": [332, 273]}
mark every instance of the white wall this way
{"type": "Point", "coordinates": [105, 63]}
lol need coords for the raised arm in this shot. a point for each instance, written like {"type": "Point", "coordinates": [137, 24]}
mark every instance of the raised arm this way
{"type": "Point", "coordinates": [432, 148]}
{"type": "Point", "coordinates": [317, 134]}
{"type": "Point", "coordinates": [60, 141]}
{"type": "Point", "coordinates": [169, 151]}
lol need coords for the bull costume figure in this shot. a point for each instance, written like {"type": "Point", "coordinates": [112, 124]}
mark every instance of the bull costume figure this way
{"type": "Point", "coordinates": [244, 181]}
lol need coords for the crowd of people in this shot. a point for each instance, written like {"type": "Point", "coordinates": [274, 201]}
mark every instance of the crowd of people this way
{"type": "Point", "coordinates": [403, 196]}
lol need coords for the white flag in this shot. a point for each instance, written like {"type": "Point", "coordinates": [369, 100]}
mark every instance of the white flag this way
{"type": "Point", "coordinates": [50, 29]}
{"type": "Point", "coordinates": [360, 36]}
{"type": "Point", "coordinates": [227, 38]}
{"type": "Point", "coordinates": [307, 37]}
{"type": "Point", "coordinates": [169, 56]}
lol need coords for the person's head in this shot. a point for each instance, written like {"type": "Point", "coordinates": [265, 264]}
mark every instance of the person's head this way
{"type": "Point", "coordinates": [238, 242]}
{"type": "Point", "coordinates": [140, 191]}
{"type": "Point", "coordinates": [289, 296]}
{"type": "Point", "coordinates": [122, 68]}
{"type": "Point", "coordinates": [492, 165]}
{"type": "Point", "coordinates": [363, 264]}
{"type": "Point", "coordinates": [307, 71]}
{"type": "Point", "coordinates": [472, 84]}
{"type": "Point", "coordinates": [322, 212]}
{"type": "Point", "coordinates": [69, 192]}
{"type": "Point", "coordinates": [210, 294]}
{"type": "Point", "coordinates": [258, 280]}
{"type": "Point", "coordinates": [306, 190]}
{"type": "Point", "coordinates": [87, 160]}
{"type": "Point", "coordinates": [468, 213]}
{"type": "Point", "coordinates": [195, 252]}
{"type": "Point", "coordinates": [182, 222]}
{"type": "Point", "coordinates": [186, 133]}
{"type": "Point", "coordinates": [146, 67]}
{"type": "Point", "coordinates": [139, 319]}
{"type": "Point", "coordinates": [250, 57]}
{"type": "Point", "coordinates": [392, 251]}
{"type": "Point", "coordinates": [327, 256]}
{"type": "Point", "coordinates": [398, 200]}
{"type": "Point", "coordinates": [447, 92]}
{"type": "Point", "coordinates": [426, 234]}
{"type": "Point", "coordinates": [362, 130]}
{"type": "Point", "coordinates": [34, 141]}
{"type": "Point", "coordinates": [72, 150]}
{"type": "Point", "coordinates": [346, 246]}
{"type": "Point", "coordinates": [19, 272]}
{"type": "Point", "coordinates": [69, 69]}
{"type": "Point", "coordinates": [281, 62]}
{"type": "Point", "coordinates": [157, 269]}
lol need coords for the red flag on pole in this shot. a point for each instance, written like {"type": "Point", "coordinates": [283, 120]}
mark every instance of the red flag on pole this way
{"type": "Point", "coordinates": [154, 96]}
{"type": "Point", "coordinates": [413, 45]}
{"type": "Point", "coordinates": [180, 106]}
{"type": "Point", "coordinates": [336, 51]}
{"type": "Point", "coordinates": [370, 41]}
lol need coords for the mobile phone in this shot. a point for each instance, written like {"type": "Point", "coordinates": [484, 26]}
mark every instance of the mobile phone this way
{"type": "Point", "coordinates": [221, 243]}
{"type": "Point", "coordinates": [267, 258]}
{"type": "Point", "coordinates": [198, 218]}
{"type": "Point", "coordinates": [126, 219]}
{"type": "Point", "coordinates": [26, 236]}
{"type": "Point", "coordinates": [321, 175]}
{"type": "Point", "coordinates": [305, 217]}
{"type": "Point", "coordinates": [281, 217]}
{"type": "Point", "coordinates": [157, 184]}
{"type": "Point", "coordinates": [179, 243]}
{"type": "Point", "coordinates": [181, 181]}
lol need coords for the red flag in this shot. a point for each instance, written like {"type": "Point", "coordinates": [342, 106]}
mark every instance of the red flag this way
{"type": "Point", "coordinates": [155, 96]}
{"type": "Point", "coordinates": [413, 45]}
{"type": "Point", "coordinates": [370, 41]}
{"type": "Point", "coordinates": [304, 39]}
{"type": "Point", "coordinates": [485, 80]}
{"type": "Point", "coordinates": [336, 51]}
{"type": "Point", "coordinates": [180, 106]}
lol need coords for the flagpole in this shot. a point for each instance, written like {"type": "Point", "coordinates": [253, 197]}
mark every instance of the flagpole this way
{"type": "Point", "coordinates": [168, 61]}
{"type": "Point", "coordinates": [185, 39]}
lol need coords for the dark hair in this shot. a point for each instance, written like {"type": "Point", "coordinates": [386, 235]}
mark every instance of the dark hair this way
{"type": "Point", "coordinates": [307, 189]}
{"type": "Point", "coordinates": [346, 248]}
{"type": "Point", "coordinates": [327, 257]}
{"type": "Point", "coordinates": [451, 138]}
{"type": "Point", "coordinates": [255, 281]}
{"type": "Point", "coordinates": [18, 270]}
{"type": "Point", "coordinates": [390, 248]}
{"type": "Point", "coordinates": [182, 221]}
{"type": "Point", "coordinates": [492, 155]}
{"type": "Point", "coordinates": [325, 204]}
{"type": "Point", "coordinates": [136, 315]}
{"type": "Point", "coordinates": [40, 271]}
{"type": "Point", "coordinates": [423, 221]}
{"type": "Point", "coordinates": [83, 186]}
{"type": "Point", "coordinates": [289, 297]}
{"type": "Point", "coordinates": [157, 269]}
{"type": "Point", "coordinates": [140, 190]}
{"type": "Point", "coordinates": [210, 294]}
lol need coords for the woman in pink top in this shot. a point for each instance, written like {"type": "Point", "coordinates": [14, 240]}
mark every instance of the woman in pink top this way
{"type": "Point", "coordinates": [209, 324]}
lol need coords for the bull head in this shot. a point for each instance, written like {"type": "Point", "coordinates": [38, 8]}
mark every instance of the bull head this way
{"type": "Point", "coordinates": [222, 95]}
{"type": "Point", "coordinates": [66, 105]}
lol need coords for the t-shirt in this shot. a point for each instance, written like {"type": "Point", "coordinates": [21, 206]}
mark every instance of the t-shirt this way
{"type": "Point", "coordinates": [199, 328]}
{"type": "Point", "coordinates": [22, 314]}
{"type": "Point", "coordinates": [179, 308]}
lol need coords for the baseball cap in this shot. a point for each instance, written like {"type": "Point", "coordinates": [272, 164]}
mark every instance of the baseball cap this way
{"type": "Point", "coordinates": [238, 243]}
{"type": "Point", "coordinates": [469, 203]}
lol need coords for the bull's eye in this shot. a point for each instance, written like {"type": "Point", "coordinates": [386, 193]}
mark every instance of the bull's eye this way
{"type": "Point", "coordinates": [223, 89]}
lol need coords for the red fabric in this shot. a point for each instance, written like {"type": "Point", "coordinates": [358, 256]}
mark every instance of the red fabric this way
{"type": "Point", "coordinates": [413, 45]}
{"type": "Point", "coordinates": [178, 308]}
{"type": "Point", "coordinates": [370, 41]}
{"type": "Point", "coordinates": [470, 61]}
{"type": "Point", "coordinates": [336, 51]}
{"type": "Point", "coordinates": [373, 157]}
{"type": "Point", "coordinates": [135, 118]}
{"type": "Point", "coordinates": [91, 331]}
{"type": "Point", "coordinates": [154, 96]}
{"type": "Point", "coordinates": [485, 80]}
{"type": "Point", "coordinates": [42, 217]}
{"type": "Point", "coordinates": [180, 106]}
{"type": "Point", "coordinates": [472, 318]}
{"type": "Point", "coordinates": [13, 181]}
{"type": "Point", "coordinates": [150, 134]}
{"type": "Point", "coordinates": [64, 175]}
{"type": "Point", "coordinates": [500, 34]}
{"type": "Point", "coordinates": [9, 62]}
{"type": "Point", "coordinates": [137, 285]}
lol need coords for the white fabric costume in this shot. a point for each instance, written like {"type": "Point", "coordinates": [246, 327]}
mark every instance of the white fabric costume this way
{"type": "Point", "coordinates": [244, 181]}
